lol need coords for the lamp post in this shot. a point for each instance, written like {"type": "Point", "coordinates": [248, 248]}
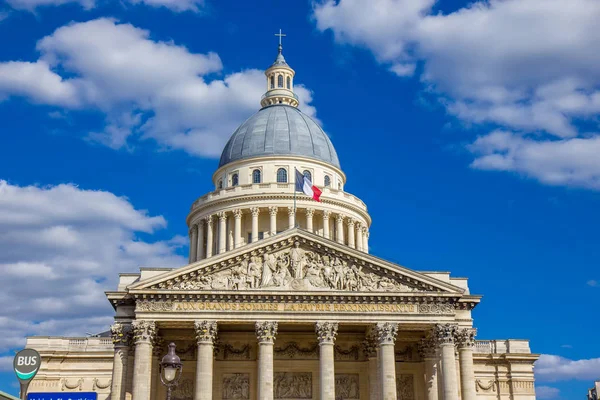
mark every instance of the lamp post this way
{"type": "Point", "coordinates": [170, 370]}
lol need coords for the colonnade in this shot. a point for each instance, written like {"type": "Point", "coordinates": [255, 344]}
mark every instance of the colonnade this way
{"type": "Point", "coordinates": [210, 234]}
{"type": "Point", "coordinates": [437, 352]}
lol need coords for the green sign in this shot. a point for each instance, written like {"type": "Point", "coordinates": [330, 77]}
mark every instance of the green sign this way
{"type": "Point", "coordinates": [26, 364]}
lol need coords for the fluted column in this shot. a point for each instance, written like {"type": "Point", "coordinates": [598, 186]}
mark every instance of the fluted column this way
{"type": "Point", "coordinates": [386, 334]}
{"type": "Point", "coordinates": [309, 219]}
{"type": "Point", "coordinates": [465, 339]}
{"type": "Point", "coordinates": [339, 237]}
{"type": "Point", "coordinates": [121, 336]}
{"type": "Point", "coordinates": [200, 247]}
{"type": "Point", "coordinates": [237, 231]}
{"type": "Point", "coordinates": [351, 241]}
{"type": "Point", "coordinates": [358, 236]}
{"type": "Point", "coordinates": [157, 355]}
{"type": "Point", "coordinates": [255, 211]}
{"type": "Point", "coordinates": [326, 333]}
{"type": "Point", "coordinates": [291, 217]}
{"type": "Point", "coordinates": [265, 333]}
{"type": "Point", "coordinates": [365, 239]}
{"type": "Point", "coordinates": [370, 345]}
{"type": "Point", "coordinates": [444, 334]}
{"type": "Point", "coordinates": [428, 351]}
{"type": "Point", "coordinates": [143, 333]}
{"type": "Point", "coordinates": [206, 334]}
{"type": "Point", "coordinates": [209, 236]}
{"type": "Point", "coordinates": [273, 220]}
{"type": "Point", "coordinates": [193, 243]}
{"type": "Point", "coordinates": [326, 215]}
{"type": "Point", "coordinates": [222, 231]}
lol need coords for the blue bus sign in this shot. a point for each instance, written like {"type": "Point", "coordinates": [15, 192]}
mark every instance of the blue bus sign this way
{"type": "Point", "coordinates": [63, 396]}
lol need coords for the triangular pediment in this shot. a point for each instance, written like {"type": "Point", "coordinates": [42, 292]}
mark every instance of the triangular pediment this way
{"type": "Point", "coordinates": [295, 260]}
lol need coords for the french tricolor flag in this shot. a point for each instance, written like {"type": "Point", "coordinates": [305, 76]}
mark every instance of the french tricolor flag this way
{"type": "Point", "coordinates": [304, 185]}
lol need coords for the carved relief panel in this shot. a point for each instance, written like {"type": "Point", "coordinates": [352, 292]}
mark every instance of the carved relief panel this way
{"type": "Point", "coordinates": [292, 385]}
{"type": "Point", "coordinates": [347, 387]}
{"type": "Point", "coordinates": [405, 387]}
{"type": "Point", "coordinates": [184, 391]}
{"type": "Point", "coordinates": [236, 387]}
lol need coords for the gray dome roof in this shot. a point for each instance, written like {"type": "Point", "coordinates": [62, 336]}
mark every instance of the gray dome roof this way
{"type": "Point", "coordinates": [279, 130]}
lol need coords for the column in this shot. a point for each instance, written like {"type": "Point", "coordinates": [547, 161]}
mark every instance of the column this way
{"type": "Point", "coordinates": [340, 228]}
{"type": "Point", "coordinates": [273, 220]}
{"type": "Point", "coordinates": [358, 237]}
{"type": "Point", "coordinates": [445, 336]}
{"type": "Point", "coordinates": [193, 243]}
{"type": "Point", "coordinates": [326, 333]}
{"type": "Point", "coordinates": [365, 239]}
{"type": "Point", "coordinates": [291, 217]}
{"type": "Point", "coordinates": [351, 242]}
{"type": "Point", "coordinates": [255, 211]}
{"type": "Point", "coordinates": [237, 230]}
{"type": "Point", "coordinates": [370, 345]}
{"type": "Point", "coordinates": [200, 251]}
{"type": "Point", "coordinates": [157, 354]}
{"type": "Point", "coordinates": [143, 333]}
{"type": "Point", "coordinates": [206, 334]}
{"type": "Point", "coordinates": [265, 333]}
{"type": "Point", "coordinates": [466, 341]}
{"type": "Point", "coordinates": [428, 352]}
{"type": "Point", "coordinates": [121, 336]}
{"type": "Point", "coordinates": [222, 231]}
{"type": "Point", "coordinates": [386, 334]}
{"type": "Point", "coordinates": [209, 236]}
{"type": "Point", "coordinates": [309, 219]}
{"type": "Point", "coordinates": [326, 215]}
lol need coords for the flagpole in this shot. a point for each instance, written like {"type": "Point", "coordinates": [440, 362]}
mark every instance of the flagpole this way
{"type": "Point", "coordinates": [294, 197]}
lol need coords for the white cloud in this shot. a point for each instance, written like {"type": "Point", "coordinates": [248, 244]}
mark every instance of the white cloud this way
{"type": "Point", "coordinates": [551, 368]}
{"type": "Point", "coordinates": [593, 283]}
{"type": "Point", "coordinates": [147, 89]}
{"type": "Point", "coordinates": [527, 66]}
{"type": "Point", "coordinates": [546, 392]}
{"type": "Point", "coordinates": [61, 247]}
{"type": "Point", "coordinates": [173, 5]}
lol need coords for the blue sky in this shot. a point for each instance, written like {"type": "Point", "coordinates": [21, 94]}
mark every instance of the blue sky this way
{"type": "Point", "coordinates": [470, 131]}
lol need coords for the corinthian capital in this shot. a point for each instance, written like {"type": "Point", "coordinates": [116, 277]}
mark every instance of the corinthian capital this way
{"type": "Point", "coordinates": [291, 211]}
{"type": "Point", "coordinates": [222, 215]}
{"type": "Point", "coordinates": [326, 332]}
{"type": "Point", "coordinates": [444, 333]}
{"type": "Point", "coordinates": [339, 218]}
{"type": "Point", "coordinates": [237, 214]}
{"type": "Point", "coordinates": [255, 211]}
{"type": "Point", "coordinates": [273, 211]}
{"type": "Point", "coordinates": [209, 220]}
{"type": "Point", "coordinates": [144, 330]}
{"type": "Point", "coordinates": [326, 214]}
{"type": "Point", "coordinates": [266, 331]}
{"type": "Point", "coordinates": [350, 222]}
{"type": "Point", "coordinates": [386, 332]}
{"type": "Point", "coordinates": [121, 334]}
{"type": "Point", "coordinates": [465, 337]}
{"type": "Point", "coordinates": [310, 212]}
{"type": "Point", "coordinates": [206, 331]}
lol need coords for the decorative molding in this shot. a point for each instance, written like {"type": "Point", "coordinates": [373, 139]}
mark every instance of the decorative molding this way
{"type": "Point", "coordinates": [98, 385]}
{"type": "Point", "coordinates": [489, 387]}
{"type": "Point", "coordinates": [266, 331]}
{"type": "Point", "coordinates": [236, 387]}
{"type": "Point", "coordinates": [232, 353]}
{"type": "Point", "coordinates": [121, 334]}
{"type": "Point", "coordinates": [350, 354]}
{"type": "Point", "coordinates": [465, 338]}
{"type": "Point", "coordinates": [143, 330]}
{"type": "Point", "coordinates": [70, 386]}
{"type": "Point", "coordinates": [347, 387]}
{"type": "Point", "coordinates": [326, 332]}
{"type": "Point", "coordinates": [386, 332]}
{"type": "Point", "coordinates": [292, 385]}
{"type": "Point", "coordinates": [444, 333]}
{"type": "Point", "coordinates": [293, 350]}
{"type": "Point", "coordinates": [206, 331]}
{"type": "Point", "coordinates": [436, 308]}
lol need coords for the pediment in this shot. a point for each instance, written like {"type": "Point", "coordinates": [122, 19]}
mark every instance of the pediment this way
{"type": "Point", "coordinates": [296, 261]}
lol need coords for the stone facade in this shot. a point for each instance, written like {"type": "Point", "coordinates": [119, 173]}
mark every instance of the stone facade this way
{"type": "Point", "coordinates": [282, 300]}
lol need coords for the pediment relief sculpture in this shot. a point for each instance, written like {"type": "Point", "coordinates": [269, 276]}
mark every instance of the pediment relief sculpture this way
{"type": "Point", "coordinates": [293, 268]}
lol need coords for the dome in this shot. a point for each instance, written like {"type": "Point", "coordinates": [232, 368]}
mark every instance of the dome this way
{"type": "Point", "coordinates": [279, 130]}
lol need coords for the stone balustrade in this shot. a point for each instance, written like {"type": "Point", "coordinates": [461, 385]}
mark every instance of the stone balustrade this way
{"type": "Point", "coordinates": [509, 346]}
{"type": "Point", "coordinates": [87, 344]}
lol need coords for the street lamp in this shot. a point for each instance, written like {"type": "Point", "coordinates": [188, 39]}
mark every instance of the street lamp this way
{"type": "Point", "coordinates": [170, 370]}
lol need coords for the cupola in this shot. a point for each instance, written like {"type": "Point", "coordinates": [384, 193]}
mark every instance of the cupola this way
{"type": "Point", "coordinates": [280, 81]}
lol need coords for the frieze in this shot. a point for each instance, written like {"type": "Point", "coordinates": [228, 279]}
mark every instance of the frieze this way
{"type": "Point", "coordinates": [292, 350]}
{"type": "Point", "coordinates": [292, 385]}
{"type": "Point", "coordinates": [346, 354]}
{"type": "Point", "coordinates": [347, 387]}
{"type": "Point", "coordinates": [435, 309]}
{"type": "Point", "coordinates": [405, 387]}
{"type": "Point", "coordinates": [523, 386]}
{"type": "Point", "coordinates": [294, 268]}
{"type": "Point", "coordinates": [232, 353]}
{"type": "Point", "coordinates": [236, 387]}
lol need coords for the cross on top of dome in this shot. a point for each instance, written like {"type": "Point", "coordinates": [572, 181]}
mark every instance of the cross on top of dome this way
{"type": "Point", "coordinates": [280, 77]}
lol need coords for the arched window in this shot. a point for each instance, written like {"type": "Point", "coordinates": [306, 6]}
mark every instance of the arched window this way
{"type": "Point", "coordinates": [327, 180]}
{"type": "Point", "coordinates": [307, 174]}
{"type": "Point", "coordinates": [220, 183]}
{"type": "Point", "coordinates": [280, 81]}
{"type": "Point", "coordinates": [289, 82]}
{"type": "Point", "coordinates": [234, 180]}
{"type": "Point", "coordinates": [281, 175]}
{"type": "Point", "coordinates": [272, 81]}
{"type": "Point", "coordinates": [340, 185]}
{"type": "Point", "coordinates": [256, 176]}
